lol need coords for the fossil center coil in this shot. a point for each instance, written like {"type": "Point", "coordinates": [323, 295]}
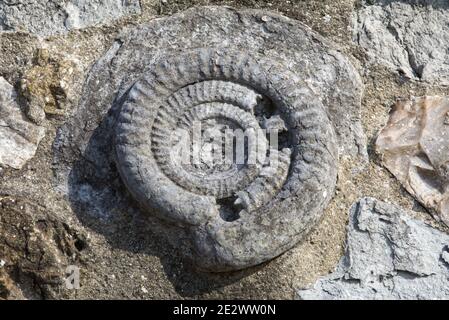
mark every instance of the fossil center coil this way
{"type": "Point", "coordinates": [207, 139]}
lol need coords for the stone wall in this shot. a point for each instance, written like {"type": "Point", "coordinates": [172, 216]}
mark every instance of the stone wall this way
{"type": "Point", "coordinates": [66, 69]}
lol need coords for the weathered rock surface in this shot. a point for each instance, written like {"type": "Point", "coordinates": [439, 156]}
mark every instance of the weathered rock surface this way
{"type": "Point", "coordinates": [409, 36]}
{"type": "Point", "coordinates": [388, 256]}
{"type": "Point", "coordinates": [286, 61]}
{"type": "Point", "coordinates": [49, 86]}
{"type": "Point", "coordinates": [19, 137]}
{"type": "Point", "coordinates": [46, 18]}
{"type": "Point", "coordinates": [35, 249]}
{"type": "Point", "coordinates": [415, 148]}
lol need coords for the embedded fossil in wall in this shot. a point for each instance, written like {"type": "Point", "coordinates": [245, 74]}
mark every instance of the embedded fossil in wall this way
{"type": "Point", "coordinates": [237, 204]}
{"type": "Point", "coordinates": [145, 99]}
{"type": "Point", "coordinates": [415, 148]}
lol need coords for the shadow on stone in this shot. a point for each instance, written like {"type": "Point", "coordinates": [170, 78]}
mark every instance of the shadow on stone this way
{"type": "Point", "coordinates": [101, 202]}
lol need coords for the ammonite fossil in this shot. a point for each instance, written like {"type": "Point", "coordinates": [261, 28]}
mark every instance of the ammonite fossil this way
{"type": "Point", "coordinates": [239, 213]}
{"type": "Point", "coordinates": [233, 78]}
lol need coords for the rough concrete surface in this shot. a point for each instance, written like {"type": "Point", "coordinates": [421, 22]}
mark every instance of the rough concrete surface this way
{"type": "Point", "coordinates": [388, 256]}
{"type": "Point", "coordinates": [129, 259]}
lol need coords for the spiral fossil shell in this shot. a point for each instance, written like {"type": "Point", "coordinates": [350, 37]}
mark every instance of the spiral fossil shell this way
{"type": "Point", "coordinates": [226, 69]}
{"type": "Point", "coordinates": [229, 212]}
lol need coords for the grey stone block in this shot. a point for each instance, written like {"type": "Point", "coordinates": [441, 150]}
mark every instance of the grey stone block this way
{"type": "Point", "coordinates": [52, 17]}
{"type": "Point", "coordinates": [411, 37]}
{"type": "Point", "coordinates": [388, 255]}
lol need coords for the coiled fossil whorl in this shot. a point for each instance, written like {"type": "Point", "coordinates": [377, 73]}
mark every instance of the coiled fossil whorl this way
{"type": "Point", "coordinates": [177, 143]}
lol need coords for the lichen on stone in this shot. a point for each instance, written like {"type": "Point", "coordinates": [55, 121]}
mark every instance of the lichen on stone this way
{"type": "Point", "coordinates": [46, 85]}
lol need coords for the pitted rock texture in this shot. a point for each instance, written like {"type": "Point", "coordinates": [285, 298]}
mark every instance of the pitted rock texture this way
{"type": "Point", "coordinates": [415, 147]}
{"type": "Point", "coordinates": [408, 36]}
{"type": "Point", "coordinates": [388, 255]}
{"type": "Point", "coordinates": [35, 249]}
{"type": "Point", "coordinates": [19, 137]}
{"type": "Point", "coordinates": [48, 86]}
{"type": "Point", "coordinates": [315, 93]}
{"type": "Point", "coordinates": [47, 18]}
